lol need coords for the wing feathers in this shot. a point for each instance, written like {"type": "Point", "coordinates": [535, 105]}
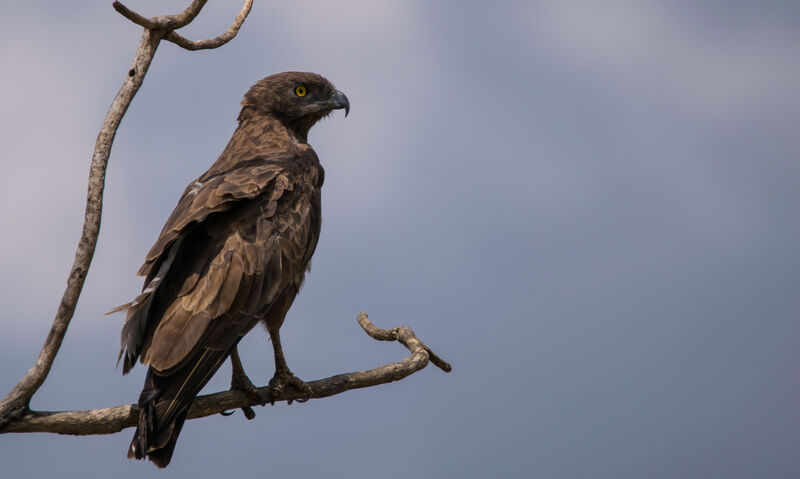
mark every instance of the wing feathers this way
{"type": "Point", "coordinates": [215, 194]}
{"type": "Point", "coordinates": [230, 285]}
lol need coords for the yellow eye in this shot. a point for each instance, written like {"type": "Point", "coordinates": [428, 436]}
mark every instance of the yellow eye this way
{"type": "Point", "coordinates": [300, 91]}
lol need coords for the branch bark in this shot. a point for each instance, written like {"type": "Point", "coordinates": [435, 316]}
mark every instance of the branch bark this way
{"type": "Point", "coordinates": [16, 404]}
{"type": "Point", "coordinates": [217, 42]}
{"type": "Point", "coordinates": [114, 419]}
{"type": "Point", "coordinates": [170, 23]}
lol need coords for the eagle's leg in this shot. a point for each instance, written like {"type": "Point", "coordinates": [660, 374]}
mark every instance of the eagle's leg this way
{"type": "Point", "coordinates": [283, 376]}
{"type": "Point", "coordinates": [240, 382]}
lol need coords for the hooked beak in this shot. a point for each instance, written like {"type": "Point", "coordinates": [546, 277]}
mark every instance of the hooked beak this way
{"type": "Point", "coordinates": [339, 101]}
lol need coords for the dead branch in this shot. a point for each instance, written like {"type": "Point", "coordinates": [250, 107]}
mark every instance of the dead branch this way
{"type": "Point", "coordinates": [231, 32]}
{"type": "Point", "coordinates": [115, 419]}
{"type": "Point", "coordinates": [170, 23]}
{"type": "Point", "coordinates": [164, 22]}
{"type": "Point", "coordinates": [16, 403]}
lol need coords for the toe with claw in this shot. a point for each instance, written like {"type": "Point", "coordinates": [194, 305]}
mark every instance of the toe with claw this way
{"type": "Point", "coordinates": [281, 379]}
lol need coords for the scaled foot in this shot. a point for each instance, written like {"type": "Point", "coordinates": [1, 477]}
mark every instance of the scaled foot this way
{"type": "Point", "coordinates": [283, 378]}
{"type": "Point", "coordinates": [240, 382]}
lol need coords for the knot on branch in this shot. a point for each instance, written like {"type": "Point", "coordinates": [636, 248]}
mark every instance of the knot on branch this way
{"type": "Point", "coordinates": [11, 414]}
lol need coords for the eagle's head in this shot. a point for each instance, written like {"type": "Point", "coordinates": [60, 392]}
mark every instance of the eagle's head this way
{"type": "Point", "coordinates": [296, 99]}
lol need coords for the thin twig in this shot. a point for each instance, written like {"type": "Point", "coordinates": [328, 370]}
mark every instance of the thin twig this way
{"type": "Point", "coordinates": [184, 18]}
{"type": "Point", "coordinates": [400, 334]}
{"type": "Point", "coordinates": [231, 32]}
{"type": "Point", "coordinates": [163, 22]}
{"type": "Point", "coordinates": [134, 17]}
{"type": "Point", "coordinates": [115, 419]}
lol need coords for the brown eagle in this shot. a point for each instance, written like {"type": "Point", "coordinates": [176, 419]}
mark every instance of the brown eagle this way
{"type": "Point", "coordinates": [233, 253]}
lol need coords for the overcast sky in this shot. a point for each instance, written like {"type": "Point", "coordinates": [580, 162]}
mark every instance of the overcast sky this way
{"type": "Point", "coordinates": [589, 208]}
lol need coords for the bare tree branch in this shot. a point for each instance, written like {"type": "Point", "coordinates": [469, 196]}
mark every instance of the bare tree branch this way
{"type": "Point", "coordinates": [16, 403]}
{"type": "Point", "coordinates": [115, 419]}
{"type": "Point", "coordinates": [164, 22]}
{"type": "Point", "coordinates": [135, 17]}
{"type": "Point", "coordinates": [183, 42]}
{"type": "Point", "coordinates": [169, 23]}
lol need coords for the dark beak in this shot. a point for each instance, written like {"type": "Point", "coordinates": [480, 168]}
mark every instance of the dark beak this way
{"type": "Point", "coordinates": [340, 101]}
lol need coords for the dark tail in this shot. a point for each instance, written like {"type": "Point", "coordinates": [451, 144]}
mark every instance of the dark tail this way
{"type": "Point", "coordinates": [164, 403]}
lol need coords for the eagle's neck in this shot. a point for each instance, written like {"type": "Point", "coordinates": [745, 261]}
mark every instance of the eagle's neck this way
{"type": "Point", "coordinates": [257, 134]}
{"type": "Point", "coordinates": [286, 126]}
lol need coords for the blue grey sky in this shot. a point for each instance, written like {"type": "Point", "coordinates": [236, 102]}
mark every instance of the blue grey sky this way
{"type": "Point", "coordinates": [588, 208]}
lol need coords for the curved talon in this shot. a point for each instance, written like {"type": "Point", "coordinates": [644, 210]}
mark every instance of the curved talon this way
{"type": "Point", "coordinates": [227, 413]}
{"type": "Point", "coordinates": [306, 390]}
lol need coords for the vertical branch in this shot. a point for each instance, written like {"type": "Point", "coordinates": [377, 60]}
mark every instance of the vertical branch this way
{"type": "Point", "coordinates": [16, 402]}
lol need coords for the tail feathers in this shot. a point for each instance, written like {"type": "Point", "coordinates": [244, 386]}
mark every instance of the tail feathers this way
{"type": "Point", "coordinates": [161, 456]}
{"type": "Point", "coordinates": [164, 404]}
{"type": "Point", "coordinates": [156, 445]}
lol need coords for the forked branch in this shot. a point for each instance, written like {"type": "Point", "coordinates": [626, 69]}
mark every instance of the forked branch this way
{"type": "Point", "coordinates": [169, 23]}
{"type": "Point", "coordinates": [114, 419]}
{"type": "Point", "coordinates": [163, 22]}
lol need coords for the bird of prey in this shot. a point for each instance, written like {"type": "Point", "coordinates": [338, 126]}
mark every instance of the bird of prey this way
{"type": "Point", "coordinates": [234, 252]}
